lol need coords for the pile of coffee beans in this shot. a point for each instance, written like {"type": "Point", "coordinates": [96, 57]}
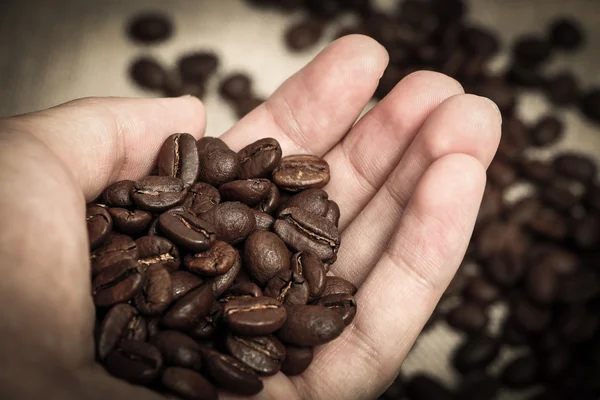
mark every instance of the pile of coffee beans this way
{"type": "Point", "coordinates": [213, 271]}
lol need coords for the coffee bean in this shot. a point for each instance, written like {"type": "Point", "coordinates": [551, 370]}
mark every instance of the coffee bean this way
{"type": "Point", "coordinates": [337, 285]}
{"type": "Point", "coordinates": [259, 159]}
{"type": "Point", "coordinates": [150, 28]}
{"type": "Point", "coordinates": [187, 231]}
{"type": "Point", "coordinates": [548, 223]}
{"type": "Point", "coordinates": [271, 201]}
{"type": "Point", "coordinates": [288, 287]}
{"type": "Point", "coordinates": [188, 384]}
{"type": "Point", "coordinates": [197, 67]}
{"type": "Point", "coordinates": [134, 361]}
{"type": "Point", "coordinates": [515, 138]}
{"type": "Point", "coordinates": [482, 291]}
{"type": "Point", "coordinates": [542, 283]}
{"type": "Point", "coordinates": [476, 353]}
{"type": "Point", "coordinates": [559, 197]}
{"type": "Point", "coordinates": [264, 354]}
{"type": "Point", "coordinates": [217, 165]}
{"type": "Point", "coordinates": [178, 158]}
{"type": "Point", "coordinates": [119, 194]}
{"type": "Point", "coordinates": [209, 143]}
{"type": "Point", "coordinates": [153, 325]}
{"type": "Point", "coordinates": [236, 87]}
{"type": "Point", "coordinates": [297, 360]}
{"type": "Point", "coordinates": [217, 260]}
{"type": "Point", "coordinates": [130, 222]}
{"type": "Point", "coordinates": [148, 73]}
{"type": "Point", "coordinates": [525, 76]}
{"type": "Point", "coordinates": [190, 309]}
{"type": "Point", "coordinates": [99, 225]}
{"type": "Point", "coordinates": [254, 316]}
{"type": "Point", "coordinates": [232, 375]}
{"type": "Point", "coordinates": [574, 166]}
{"type": "Point", "coordinates": [580, 287]}
{"type": "Point", "coordinates": [249, 191]}
{"type": "Point", "coordinates": [577, 324]}
{"type": "Point", "coordinates": [590, 104]}
{"type": "Point", "coordinates": [566, 34]}
{"type": "Point", "coordinates": [264, 221]}
{"type": "Point", "coordinates": [531, 50]}
{"type": "Point", "coordinates": [555, 362]}
{"type": "Point", "coordinates": [563, 89]}
{"type": "Point", "coordinates": [310, 325]}
{"type": "Point", "coordinates": [178, 349]}
{"type": "Point", "coordinates": [592, 197]}
{"type": "Point", "coordinates": [478, 386]}
{"type": "Point", "coordinates": [537, 171]}
{"type": "Point", "coordinates": [315, 201]}
{"type": "Point", "coordinates": [547, 131]}
{"type": "Point", "coordinates": [265, 255]}
{"type": "Point", "coordinates": [299, 172]}
{"type": "Point", "coordinates": [469, 317]}
{"type": "Point", "coordinates": [201, 198]}
{"type": "Point", "coordinates": [243, 290]}
{"type": "Point", "coordinates": [158, 193]}
{"type": "Point", "coordinates": [156, 293]}
{"type": "Point", "coordinates": [232, 221]}
{"type": "Point", "coordinates": [422, 387]}
{"type": "Point", "coordinates": [310, 266]}
{"type": "Point", "coordinates": [559, 260]}
{"type": "Point", "coordinates": [156, 250]}
{"type": "Point", "coordinates": [520, 373]}
{"type": "Point", "coordinates": [344, 304]}
{"type": "Point", "coordinates": [513, 334]}
{"type": "Point", "coordinates": [491, 205]}
{"type": "Point", "coordinates": [501, 238]}
{"type": "Point", "coordinates": [220, 283]}
{"type": "Point", "coordinates": [122, 322]}
{"type": "Point", "coordinates": [245, 106]}
{"type": "Point", "coordinates": [117, 283]}
{"type": "Point", "coordinates": [501, 173]}
{"type": "Point", "coordinates": [533, 318]}
{"type": "Point", "coordinates": [480, 41]}
{"type": "Point", "coordinates": [176, 87]}
{"type": "Point", "coordinates": [498, 90]}
{"type": "Point", "coordinates": [303, 34]}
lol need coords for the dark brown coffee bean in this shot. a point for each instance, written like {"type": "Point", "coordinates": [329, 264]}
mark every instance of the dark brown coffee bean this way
{"type": "Point", "coordinates": [566, 34]}
{"type": "Point", "coordinates": [150, 28]}
{"type": "Point", "coordinates": [500, 238]}
{"type": "Point", "coordinates": [176, 87]}
{"type": "Point", "coordinates": [344, 304]}
{"type": "Point", "coordinates": [297, 360]}
{"type": "Point", "coordinates": [218, 165]}
{"type": "Point", "coordinates": [115, 248]}
{"type": "Point", "coordinates": [254, 316]}
{"type": "Point", "coordinates": [531, 51]}
{"type": "Point", "coordinates": [482, 291]}
{"type": "Point", "coordinates": [560, 260]}
{"type": "Point", "coordinates": [563, 89]}
{"type": "Point", "coordinates": [491, 205]}
{"type": "Point", "coordinates": [501, 173]}
{"type": "Point", "coordinates": [478, 386]}
{"type": "Point", "coordinates": [498, 90]}
{"type": "Point", "coordinates": [249, 191]}
{"type": "Point", "coordinates": [575, 166]}
{"type": "Point", "coordinates": [304, 34]}
{"type": "Point", "coordinates": [422, 387]}
{"type": "Point", "coordinates": [201, 198]}
{"type": "Point", "coordinates": [288, 287]}
{"type": "Point", "coordinates": [520, 373]}
{"type": "Point", "coordinates": [153, 325]}
{"type": "Point", "coordinates": [559, 197]}
{"type": "Point", "coordinates": [333, 213]}
{"type": "Point", "coordinates": [119, 194]}
{"type": "Point", "coordinates": [480, 41]}
{"type": "Point", "coordinates": [580, 287]}
{"type": "Point", "coordinates": [122, 322]}
{"type": "Point", "coordinates": [264, 354]}
{"type": "Point", "coordinates": [158, 193]}
{"type": "Point", "coordinates": [548, 223]}
{"type": "Point", "coordinates": [515, 138]}
{"type": "Point", "coordinates": [208, 327]}
{"type": "Point", "coordinates": [590, 104]}
{"type": "Point", "coordinates": [232, 375]}
{"type": "Point", "coordinates": [232, 221]}
{"type": "Point", "coordinates": [156, 293]}
{"type": "Point", "coordinates": [220, 283]}
{"type": "Point", "coordinates": [468, 317]}
{"type": "Point", "coordinates": [526, 76]}
{"type": "Point", "coordinates": [178, 158]}
{"type": "Point", "coordinates": [533, 318]}
{"type": "Point", "coordinates": [271, 201]}
{"type": "Point", "coordinates": [542, 283]}
{"type": "Point", "coordinates": [309, 325]}
{"type": "Point", "coordinates": [188, 384]}
{"type": "Point", "coordinates": [236, 87]}
{"type": "Point", "coordinates": [245, 106]}
{"type": "Point", "coordinates": [547, 131]}
{"type": "Point", "coordinates": [476, 353]}
{"type": "Point", "coordinates": [241, 290]}
{"type": "Point", "coordinates": [265, 255]}
{"type": "Point", "coordinates": [337, 285]}
{"type": "Point", "coordinates": [178, 349]}
{"type": "Point", "coordinates": [315, 201]}
{"type": "Point", "coordinates": [537, 171]}
{"type": "Point", "coordinates": [156, 250]}
{"type": "Point", "coordinates": [586, 232]}
{"type": "Point", "coordinates": [264, 221]}
{"type": "Point", "coordinates": [187, 230]}
{"type": "Point", "coordinates": [197, 67]}
{"type": "Point", "coordinates": [210, 143]}
{"type": "Point", "coordinates": [148, 73]}
{"type": "Point", "coordinates": [99, 225]}
{"type": "Point", "coordinates": [555, 362]}
{"type": "Point", "coordinates": [577, 324]}
{"type": "Point", "coordinates": [215, 261]}
{"type": "Point", "coordinates": [259, 159]}
{"type": "Point", "coordinates": [130, 222]}
{"type": "Point", "coordinates": [310, 266]}
{"type": "Point", "coordinates": [134, 361]}
{"type": "Point", "coordinates": [299, 172]}
{"type": "Point", "coordinates": [190, 309]}
{"type": "Point", "coordinates": [513, 334]}
{"type": "Point", "coordinates": [117, 283]}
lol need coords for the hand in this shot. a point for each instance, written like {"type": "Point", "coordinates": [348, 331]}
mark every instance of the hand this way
{"type": "Point", "coordinates": [408, 177]}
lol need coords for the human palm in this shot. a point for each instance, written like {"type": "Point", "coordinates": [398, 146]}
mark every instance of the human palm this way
{"type": "Point", "coordinates": [408, 177]}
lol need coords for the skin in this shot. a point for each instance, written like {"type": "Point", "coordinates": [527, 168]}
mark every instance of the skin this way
{"type": "Point", "coordinates": [408, 177]}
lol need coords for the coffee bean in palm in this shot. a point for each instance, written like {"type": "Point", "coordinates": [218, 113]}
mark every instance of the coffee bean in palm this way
{"type": "Point", "coordinates": [344, 304]}
{"type": "Point", "coordinates": [337, 285]}
{"type": "Point", "coordinates": [468, 317]}
{"type": "Point", "coordinates": [178, 158]}
{"type": "Point", "coordinates": [288, 287]}
{"type": "Point", "coordinates": [248, 191]}
{"type": "Point", "coordinates": [188, 384]}
{"type": "Point", "coordinates": [264, 354]}
{"type": "Point", "coordinates": [220, 283]}
{"type": "Point", "coordinates": [197, 67]}
{"type": "Point", "coordinates": [243, 290]}
{"type": "Point", "coordinates": [218, 165]}
{"type": "Point", "coordinates": [265, 255]}
{"type": "Point", "coordinates": [498, 90]}
{"type": "Point", "coordinates": [590, 104]}
{"type": "Point", "coordinates": [314, 200]}
{"type": "Point", "coordinates": [232, 221]}
{"type": "Point", "coordinates": [254, 316]}
{"type": "Point", "coordinates": [156, 293]}
{"type": "Point", "coordinates": [477, 386]}
{"type": "Point", "coordinates": [208, 326]}
{"type": "Point", "coordinates": [201, 198]}
{"type": "Point", "coordinates": [310, 325]}
{"type": "Point", "coordinates": [187, 231]}
{"type": "Point", "coordinates": [476, 353]}
{"type": "Point", "coordinates": [99, 224]}
{"type": "Point", "coordinates": [122, 322]}
{"type": "Point", "coordinates": [135, 361]}
{"type": "Point", "coordinates": [271, 201]}
{"type": "Point", "coordinates": [259, 159]}
{"type": "Point", "coordinates": [531, 50]}
{"type": "Point", "coordinates": [244, 107]}
{"type": "Point", "coordinates": [297, 359]}
{"type": "Point", "coordinates": [232, 375]}
{"type": "Point", "coordinates": [537, 171]}
{"type": "Point", "coordinates": [310, 266]}
{"type": "Point", "coordinates": [303, 34]}
{"type": "Point", "coordinates": [119, 194]}
{"type": "Point", "coordinates": [481, 290]}
{"type": "Point", "coordinates": [575, 166]}
{"type": "Point", "coordinates": [186, 312]}
{"type": "Point", "coordinates": [116, 247]}
{"type": "Point", "coordinates": [542, 283]}
{"type": "Point", "coordinates": [117, 283]}
{"type": "Point", "coordinates": [148, 73]}
{"type": "Point", "coordinates": [563, 89]}
{"type": "Point", "coordinates": [158, 193]}
{"type": "Point", "coordinates": [299, 172]}
{"type": "Point", "coordinates": [566, 34]}
{"type": "Point", "coordinates": [150, 27]}
{"type": "Point", "coordinates": [217, 260]}
{"type": "Point", "coordinates": [423, 387]}
{"type": "Point", "coordinates": [236, 87]}
{"type": "Point", "coordinates": [547, 131]}
{"type": "Point", "coordinates": [155, 250]}
{"type": "Point", "coordinates": [130, 222]}
{"type": "Point", "coordinates": [520, 373]}
{"type": "Point", "coordinates": [178, 349]}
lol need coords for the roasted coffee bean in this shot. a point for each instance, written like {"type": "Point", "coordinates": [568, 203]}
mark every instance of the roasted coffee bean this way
{"type": "Point", "coordinates": [134, 361]}
{"type": "Point", "coordinates": [533, 318]}
{"type": "Point", "coordinates": [477, 386]}
{"type": "Point", "coordinates": [566, 34]}
{"type": "Point", "coordinates": [491, 205]}
{"type": "Point", "coordinates": [156, 250]}
{"type": "Point", "coordinates": [99, 225]}
{"type": "Point", "coordinates": [209, 143]}
{"type": "Point", "coordinates": [315, 201]}
{"type": "Point", "coordinates": [310, 266]}
{"type": "Point", "coordinates": [201, 198]}
{"type": "Point", "coordinates": [264, 221]}
{"type": "Point", "coordinates": [515, 139]}
{"type": "Point", "coordinates": [525, 76]}
{"type": "Point", "coordinates": [190, 309]}
{"type": "Point", "coordinates": [547, 131]}
{"type": "Point", "coordinates": [299, 172]}
{"type": "Point", "coordinates": [422, 387]}
{"type": "Point", "coordinates": [236, 87]}
{"type": "Point", "coordinates": [297, 360]}
{"type": "Point", "coordinates": [550, 224]}
{"type": "Point", "coordinates": [500, 238]}
{"type": "Point", "coordinates": [148, 73]}
{"type": "Point", "coordinates": [264, 354]}
{"type": "Point", "coordinates": [153, 228]}
{"type": "Point", "coordinates": [520, 373]}
{"type": "Point", "coordinates": [500, 92]}
{"type": "Point", "coordinates": [537, 171]}
{"type": "Point", "coordinates": [575, 166]}
{"type": "Point", "coordinates": [241, 290]}
{"type": "Point", "coordinates": [288, 287]}
{"type": "Point", "coordinates": [482, 291]}
{"type": "Point", "coordinates": [220, 283]}
{"type": "Point", "coordinates": [563, 89]}
{"type": "Point", "coordinates": [254, 316]}
{"type": "Point", "coordinates": [232, 375]}
{"type": "Point", "coordinates": [344, 304]}
{"type": "Point", "coordinates": [559, 197]}
{"type": "Point", "coordinates": [586, 232]}
{"type": "Point", "coordinates": [122, 322]}
{"type": "Point", "coordinates": [130, 222]}
{"type": "Point", "coordinates": [218, 166]}
{"type": "Point", "coordinates": [178, 349]}
{"type": "Point", "coordinates": [215, 261]}
{"type": "Point", "coordinates": [178, 158]}
{"type": "Point", "coordinates": [580, 287]}
{"type": "Point", "coordinates": [150, 28]}
{"type": "Point", "coordinates": [542, 283]}
{"type": "Point", "coordinates": [531, 51]}
{"type": "Point", "coordinates": [232, 221]}
{"type": "Point", "coordinates": [245, 106]}
{"type": "Point", "coordinates": [469, 317]}
{"type": "Point", "coordinates": [153, 325]}
{"type": "Point", "coordinates": [209, 325]}
{"type": "Point", "coordinates": [476, 353]}
{"type": "Point", "coordinates": [555, 362]}
{"type": "Point", "coordinates": [592, 197]}
{"type": "Point", "coordinates": [590, 104]}
{"type": "Point", "coordinates": [513, 334]}
{"type": "Point", "coordinates": [176, 87]}
{"type": "Point", "coordinates": [158, 193]}
{"type": "Point", "coordinates": [117, 283]}
{"type": "Point", "coordinates": [119, 195]}
{"type": "Point", "coordinates": [501, 173]}
{"type": "Point", "coordinates": [270, 202]}
{"type": "Point", "coordinates": [337, 285]}
{"type": "Point", "coordinates": [188, 384]}
{"type": "Point", "coordinates": [333, 213]}
{"type": "Point", "coordinates": [248, 191]}
{"type": "Point", "coordinates": [310, 325]}
{"type": "Point", "coordinates": [156, 293]}
{"type": "Point", "coordinates": [197, 67]}
{"type": "Point", "coordinates": [187, 230]}
{"type": "Point", "coordinates": [265, 255]}
{"type": "Point", "coordinates": [259, 159]}
{"type": "Point", "coordinates": [480, 41]}
{"type": "Point", "coordinates": [304, 34]}
{"type": "Point", "coordinates": [577, 324]}
{"type": "Point", "coordinates": [301, 231]}
{"type": "Point", "coordinates": [559, 260]}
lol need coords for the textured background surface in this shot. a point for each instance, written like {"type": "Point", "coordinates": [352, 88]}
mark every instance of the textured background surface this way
{"type": "Point", "coordinates": [52, 51]}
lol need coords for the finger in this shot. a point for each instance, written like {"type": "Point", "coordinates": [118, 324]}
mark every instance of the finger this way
{"type": "Point", "coordinates": [313, 109]}
{"type": "Point", "coordinates": [464, 124]}
{"type": "Point", "coordinates": [102, 140]}
{"type": "Point", "coordinates": [398, 297]}
{"type": "Point", "coordinates": [367, 155]}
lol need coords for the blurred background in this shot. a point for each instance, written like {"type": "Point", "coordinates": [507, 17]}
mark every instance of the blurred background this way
{"type": "Point", "coordinates": [541, 71]}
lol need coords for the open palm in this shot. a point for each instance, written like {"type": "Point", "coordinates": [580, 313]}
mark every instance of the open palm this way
{"type": "Point", "coordinates": [408, 178]}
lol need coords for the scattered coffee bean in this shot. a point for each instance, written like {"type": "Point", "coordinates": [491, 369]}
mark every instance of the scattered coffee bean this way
{"type": "Point", "coordinates": [130, 222]}
{"type": "Point", "coordinates": [304, 34]}
{"type": "Point", "coordinates": [547, 131]}
{"type": "Point", "coordinates": [232, 375]}
{"type": "Point", "coordinates": [289, 288]}
{"type": "Point", "coordinates": [158, 193]}
{"type": "Point", "coordinates": [156, 250]}
{"type": "Point", "coordinates": [148, 74]}
{"type": "Point", "coordinates": [236, 87]}
{"type": "Point", "coordinates": [156, 293]}
{"type": "Point", "coordinates": [190, 309]}
{"type": "Point", "coordinates": [563, 89]}
{"type": "Point", "coordinates": [197, 67]}
{"type": "Point", "coordinates": [178, 349]}
{"type": "Point", "coordinates": [566, 34]}
{"type": "Point", "coordinates": [476, 353]}
{"type": "Point", "coordinates": [150, 28]}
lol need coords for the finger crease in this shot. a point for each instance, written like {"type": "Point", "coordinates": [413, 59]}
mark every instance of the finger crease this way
{"type": "Point", "coordinates": [293, 125]}
{"type": "Point", "coordinates": [359, 175]}
{"type": "Point", "coordinates": [398, 261]}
